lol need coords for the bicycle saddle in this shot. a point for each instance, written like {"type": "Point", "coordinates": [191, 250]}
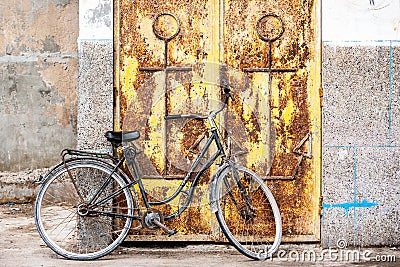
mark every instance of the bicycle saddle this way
{"type": "Point", "coordinates": [118, 137]}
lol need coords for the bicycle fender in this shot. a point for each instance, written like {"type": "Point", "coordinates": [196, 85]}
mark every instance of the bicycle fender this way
{"type": "Point", "coordinates": [44, 177]}
{"type": "Point", "coordinates": [213, 185]}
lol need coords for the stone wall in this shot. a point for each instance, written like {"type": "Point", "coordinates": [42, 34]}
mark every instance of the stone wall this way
{"type": "Point", "coordinates": [361, 123]}
{"type": "Point", "coordinates": [361, 148]}
{"type": "Point", "coordinates": [38, 81]}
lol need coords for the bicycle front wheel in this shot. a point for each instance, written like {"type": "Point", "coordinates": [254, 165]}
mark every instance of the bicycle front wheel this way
{"type": "Point", "coordinates": [74, 229]}
{"type": "Point", "coordinates": [247, 213]}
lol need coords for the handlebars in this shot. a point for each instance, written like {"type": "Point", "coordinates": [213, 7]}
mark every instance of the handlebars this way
{"type": "Point", "coordinates": [227, 91]}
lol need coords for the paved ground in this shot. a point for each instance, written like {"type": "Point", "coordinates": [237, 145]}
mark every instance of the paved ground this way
{"type": "Point", "coordinates": [20, 245]}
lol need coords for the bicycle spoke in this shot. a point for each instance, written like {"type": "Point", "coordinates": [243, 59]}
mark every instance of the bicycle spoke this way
{"type": "Point", "coordinates": [63, 221]}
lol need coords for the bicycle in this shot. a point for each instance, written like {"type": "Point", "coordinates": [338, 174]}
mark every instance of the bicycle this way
{"type": "Point", "coordinates": [87, 203]}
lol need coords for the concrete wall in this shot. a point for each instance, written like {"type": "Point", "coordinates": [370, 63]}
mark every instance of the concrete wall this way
{"type": "Point", "coordinates": [361, 129]}
{"type": "Point", "coordinates": [95, 101]}
{"type": "Point", "coordinates": [44, 106]}
{"type": "Point", "coordinates": [38, 81]}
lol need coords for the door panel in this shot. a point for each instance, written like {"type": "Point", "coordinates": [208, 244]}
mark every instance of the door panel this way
{"type": "Point", "coordinates": [277, 44]}
{"type": "Point", "coordinates": [172, 57]}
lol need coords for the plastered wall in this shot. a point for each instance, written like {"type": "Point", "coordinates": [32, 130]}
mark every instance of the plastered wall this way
{"type": "Point", "coordinates": [38, 81]}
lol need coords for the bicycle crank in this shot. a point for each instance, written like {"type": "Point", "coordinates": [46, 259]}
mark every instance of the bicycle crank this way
{"type": "Point", "coordinates": [153, 219]}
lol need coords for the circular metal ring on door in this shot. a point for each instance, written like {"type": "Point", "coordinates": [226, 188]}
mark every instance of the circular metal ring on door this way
{"type": "Point", "coordinates": [275, 32]}
{"type": "Point", "coordinates": [165, 20]}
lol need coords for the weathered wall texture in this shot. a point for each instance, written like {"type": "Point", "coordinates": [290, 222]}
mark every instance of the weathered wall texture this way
{"type": "Point", "coordinates": [361, 166]}
{"type": "Point", "coordinates": [361, 114]}
{"type": "Point", "coordinates": [38, 78]}
{"type": "Point", "coordinates": [361, 108]}
{"type": "Point", "coordinates": [95, 100]}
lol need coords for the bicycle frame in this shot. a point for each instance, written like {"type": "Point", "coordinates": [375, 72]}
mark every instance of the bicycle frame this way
{"type": "Point", "coordinates": [129, 158]}
{"type": "Point", "coordinates": [220, 152]}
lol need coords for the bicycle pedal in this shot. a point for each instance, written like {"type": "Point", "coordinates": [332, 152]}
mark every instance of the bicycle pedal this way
{"type": "Point", "coordinates": [165, 228]}
{"type": "Point", "coordinates": [172, 233]}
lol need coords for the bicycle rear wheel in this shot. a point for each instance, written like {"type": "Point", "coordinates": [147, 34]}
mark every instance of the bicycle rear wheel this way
{"type": "Point", "coordinates": [248, 214]}
{"type": "Point", "coordinates": [70, 227]}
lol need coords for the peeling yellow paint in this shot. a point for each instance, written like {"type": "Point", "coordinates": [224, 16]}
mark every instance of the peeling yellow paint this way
{"type": "Point", "coordinates": [259, 151]}
{"type": "Point", "coordinates": [276, 109]}
{"type": "Point", "coordinates": [288, 112]}
{"type": "Point", "coordinates": [155, 143]}
{"type": "Point", "coordinates": [128, 76]}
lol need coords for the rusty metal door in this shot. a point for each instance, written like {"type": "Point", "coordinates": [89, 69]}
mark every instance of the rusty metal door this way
{"type": "Point", "coordinates": [171, 57]}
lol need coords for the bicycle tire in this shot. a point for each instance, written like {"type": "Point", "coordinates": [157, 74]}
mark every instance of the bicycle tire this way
{"type": "Point", "coordinates": [79, 236]}
{"type": "Point", "coordinates": [248, 230]}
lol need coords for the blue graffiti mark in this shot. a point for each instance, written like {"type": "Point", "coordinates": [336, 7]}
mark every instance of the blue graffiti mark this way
{"type": "Point", "coordinates": [348, 205]}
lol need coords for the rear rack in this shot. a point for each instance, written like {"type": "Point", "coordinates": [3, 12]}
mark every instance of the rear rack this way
{"type": "Point", "coordinates": [83, 153]}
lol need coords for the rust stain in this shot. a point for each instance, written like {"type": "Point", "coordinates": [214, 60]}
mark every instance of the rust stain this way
{"type": "Point", "coordinates": [192, 131]}
{"type": "Point", "coordinates": [289, 96]}
{"type": "Point", "coordinates": [290, 133]}
{"type": "Point", "coordinates": [139, 42]}
{"type": "Point", "coordinates": [250, 121]}
{"type": "Point", "coordinates": [269, 138]}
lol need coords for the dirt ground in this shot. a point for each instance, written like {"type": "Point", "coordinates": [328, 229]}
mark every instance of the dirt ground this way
{"type": "Point", "coordinates": [20, 245]}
